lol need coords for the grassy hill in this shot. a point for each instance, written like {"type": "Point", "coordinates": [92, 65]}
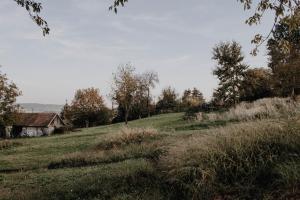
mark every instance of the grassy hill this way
{"type": "Point", "coordinates": [224, 156]}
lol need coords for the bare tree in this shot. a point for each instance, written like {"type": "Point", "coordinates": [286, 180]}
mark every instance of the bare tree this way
{"type": "Point", "coordinates": [149, 78]}
{"type": "Point", "coordinates": [124, 88]}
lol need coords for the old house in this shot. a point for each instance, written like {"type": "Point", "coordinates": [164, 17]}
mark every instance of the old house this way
{"type": "Point", "coordinates": [36, 124]}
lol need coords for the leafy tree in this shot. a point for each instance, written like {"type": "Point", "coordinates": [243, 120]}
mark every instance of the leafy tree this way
{"type": "Point", "coordinates": [140, 100]}
{"type": "Point", "coordinates": [192, 99]}
{"type": "Point", "coordinates": [141, 104]}
{"type": "Point", "coordinates": [87, 109]}
{"type": "Point", "coordinates": [124, 88]}
{"type": "Point", "coordinates": [284, 10]}
{"type": "Point", "coordinates": [8, 107]}
{"type": "Point", "coordinates": [287, 78]}
{"type": "Point", "coordinates": [230, 70]}
{"type": "Point", "coordinates": [192, 103]}
{"type": "Point", "coordinates": [285, 64]}
{"type": "Point", "coordinates": [167, 101]}
{"type": "Point", "coordinates": [256, 84]}
{"type": "Point", "coordinates": [185, 97]}
{"type": "Point", "coordinates": [283, 31]}
{"type": "Point", "coordinates": [196, 94]}
{"type": "Point", "coordinates": [149, 79]}
{"type": "Point", "coordinates": [34, 8]}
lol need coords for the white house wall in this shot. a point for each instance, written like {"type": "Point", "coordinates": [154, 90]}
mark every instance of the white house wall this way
{"type": "Point", "coordinates": [36, 131]}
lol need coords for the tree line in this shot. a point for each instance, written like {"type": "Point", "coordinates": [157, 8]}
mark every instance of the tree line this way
{"type": "Point", "coordinates": [131, 92]}
{"type": "Point", "coordinates": [238, 82]}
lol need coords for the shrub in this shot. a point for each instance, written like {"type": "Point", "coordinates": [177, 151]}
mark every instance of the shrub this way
{"type": "Point", "coordinates": [128, 136]}
{"type": "Point", "coordinates": [192, 113]}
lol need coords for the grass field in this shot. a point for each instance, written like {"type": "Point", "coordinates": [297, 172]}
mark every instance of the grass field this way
{"type": "Point", "coordinates": [163, 157]}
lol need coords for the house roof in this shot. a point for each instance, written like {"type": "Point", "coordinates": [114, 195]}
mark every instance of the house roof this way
{"type": "Point", "coordinates": [35, 119]}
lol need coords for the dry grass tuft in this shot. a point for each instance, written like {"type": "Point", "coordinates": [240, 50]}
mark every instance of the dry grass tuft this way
{"type": "Point", "coordinates": [260, 109]}
{"type": "Point", "coordinates": [127, 136]}
{"type": "Point", "coordinates": [235, 160]}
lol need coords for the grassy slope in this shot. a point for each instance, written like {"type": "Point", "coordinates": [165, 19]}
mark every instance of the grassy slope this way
{"type": "Point", "coordinates": [35, 153]}
{"type": "Point", "coordinates": [125, 173]}
{"type": "Point", "coordinates": [32, 156]}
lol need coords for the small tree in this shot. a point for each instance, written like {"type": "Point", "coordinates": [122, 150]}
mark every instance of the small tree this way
{"type": "Point", "coordinates": [87, 109]}
{"type": "Point", "coordinates": [192, 99]}
{"type": "Point", "coordinates": [140, 100]}
{"type": "Point", "coordinates": [197, 96]}
{"type": "Point", "coordinates": [185, 98]}
{"type": "Point", "coordinates": [287, 78]}
{"type": "Point", "coordinates": [230, 71]}
{"type": "Point", "coordinates": [192, 102]}
{"type": "Point", "coordinates": [124, 88]}
{"type": "Point", "coordinates": [8, 107]}
{"type": "Point", "coordinates": [167, 101]}
{"type": "Point", "coordinates": [256, 84]}
{"type": "Point", "coordinates": [282, 10]}
{"type": "Point", "coordinates": [285, 65]}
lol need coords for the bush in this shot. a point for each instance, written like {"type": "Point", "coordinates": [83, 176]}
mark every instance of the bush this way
{"type": "Point", "coordinates": [191, 113]}
{"type": "Point", "coordinates": [91, 118]}
{"type": "Point", "coordinates": [128, 136]}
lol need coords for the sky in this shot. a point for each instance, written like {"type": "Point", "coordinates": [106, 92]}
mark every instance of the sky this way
{"type": "Point", "coordinates": [88, 42]}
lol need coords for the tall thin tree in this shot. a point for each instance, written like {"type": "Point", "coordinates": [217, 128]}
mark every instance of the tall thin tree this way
{"type": "Point", "coordinates": [150, 79]}
{"type": "Point", "coordinates": [230, 69]}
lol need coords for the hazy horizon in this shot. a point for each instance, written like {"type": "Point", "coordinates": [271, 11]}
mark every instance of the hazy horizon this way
{"type": "Point", "coordinates": [87, 43]}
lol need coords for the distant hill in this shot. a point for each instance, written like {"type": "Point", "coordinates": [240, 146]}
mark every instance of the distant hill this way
{"type": "Point", "coordinates": [37, 107]}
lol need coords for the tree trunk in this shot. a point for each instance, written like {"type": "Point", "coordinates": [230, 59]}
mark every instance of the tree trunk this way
{"type": "Point", "coordinates": [293, 89]}
{"type": "Point", "coordinates": [148, 106]}
{"type": "Point", "coordinates": [126, 116]}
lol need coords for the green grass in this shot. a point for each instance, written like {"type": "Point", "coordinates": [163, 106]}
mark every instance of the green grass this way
{"type": "Point", "coordinates": [182, 160]}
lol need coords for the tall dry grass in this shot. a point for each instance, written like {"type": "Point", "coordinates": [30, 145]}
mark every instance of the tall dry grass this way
{"type": "Point", "coordinates": [260, 109]}
{"type": "Point", "coordinates": [128, 136]}
{"type": "Point", "coordinates": [250, 160]}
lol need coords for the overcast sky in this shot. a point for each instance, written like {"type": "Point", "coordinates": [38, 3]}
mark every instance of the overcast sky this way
{"type": "Point", "coordinates": [87, 43]}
